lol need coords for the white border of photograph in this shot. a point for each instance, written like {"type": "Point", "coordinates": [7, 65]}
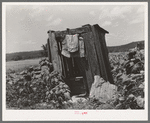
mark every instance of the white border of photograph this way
{"type": "Point", "coordinates": [61, 115]}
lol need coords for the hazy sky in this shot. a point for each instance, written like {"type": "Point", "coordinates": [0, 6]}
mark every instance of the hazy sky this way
{"type": "Point", "coordinates": [27, 25]}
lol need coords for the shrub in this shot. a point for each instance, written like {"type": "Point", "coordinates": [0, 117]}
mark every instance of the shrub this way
{"type": "Point", "coordinates": [16, 58]}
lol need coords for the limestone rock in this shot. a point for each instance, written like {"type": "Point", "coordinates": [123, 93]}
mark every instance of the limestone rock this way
{"type": "Point", "coordinates": [75, 99]}
{"type": "Point", "coordinates": [102, 90]}
{"type": "Point", "coordinates": [140, 101]}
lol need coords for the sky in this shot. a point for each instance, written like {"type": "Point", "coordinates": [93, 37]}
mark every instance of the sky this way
{"type": "Point", "coordinates": [27, 25]}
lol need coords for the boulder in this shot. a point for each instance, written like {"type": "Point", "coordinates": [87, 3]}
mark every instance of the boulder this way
{"type": "Point", "coordinates": [75, 99]}
{"type": "Point", "coordinates": [140, 101]}
{"type": "Point", "coordinates": [102, 90]}
{"type": "Point", "coordinates": [142, 85]}
{"type": "Point", "coordinates": [67, 96]}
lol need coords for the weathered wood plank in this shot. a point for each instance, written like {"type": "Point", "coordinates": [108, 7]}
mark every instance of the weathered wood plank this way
{"type": "Point", "coordinates": [91, 58]}
{"type": "Point", "coordinates": [65, 66]}
{"type": "Point", "coordinates": [91, 52]}
{"type": "Point", "coordinates": [71, 32]}
{"type": "Point", "coordinates": [69, 60]}
{"type": "Point", "coordinates": [108, 68]}
{"type": "Point", "coordinates": [101, 29]}
{"type": "Point", "coordinates": [100, 56]}
{"type": "Point", "coordinates": [54, 53]}
{"type": "Point", "coordinates": [79, 30]}
{"type": "Point", "coordinates": [62, 60]}
{"type": "Point", "coordinates": [48, 50]}
{"type": "Point", "coordinates": [98, 29]}
{"type": "Point", "coordinates": [85, 71]}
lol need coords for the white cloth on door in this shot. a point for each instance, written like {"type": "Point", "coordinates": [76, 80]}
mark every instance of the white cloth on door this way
{"type": "Point", "coordinates": [72, 42]}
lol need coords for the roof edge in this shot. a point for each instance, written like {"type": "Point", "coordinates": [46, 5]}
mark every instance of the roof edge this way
{"type": "Point", "coordinates": [100, 28]}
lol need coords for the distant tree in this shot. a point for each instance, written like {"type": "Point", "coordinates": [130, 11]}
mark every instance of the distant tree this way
{"type": "Point", "coordinates": [16, 58]}
{"type": "Point", "coordinates": [44, 52]}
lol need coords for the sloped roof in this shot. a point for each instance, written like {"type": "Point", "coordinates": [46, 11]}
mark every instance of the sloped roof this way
{"type": "Point", "coordinates": [83, 29]}
{"type": "Point", "coordinates": [100, 28]}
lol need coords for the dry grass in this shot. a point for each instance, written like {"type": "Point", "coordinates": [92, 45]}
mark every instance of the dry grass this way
{"type": "Point", "coordinates": [18, 66]}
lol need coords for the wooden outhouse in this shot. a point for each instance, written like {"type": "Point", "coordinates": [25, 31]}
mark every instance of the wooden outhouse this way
{"type": "Point", "coordinates": [95, 62]}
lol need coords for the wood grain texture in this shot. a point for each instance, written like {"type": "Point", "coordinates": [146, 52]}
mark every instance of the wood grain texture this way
{"type": "Point", "coordinates": [100, 56]}
{"type": "Point", "coordinates": [54, 53]}
{"type": "Point", "coordinates": [93, 68]}
{"type": "Point", "coordinates": [104, 50]}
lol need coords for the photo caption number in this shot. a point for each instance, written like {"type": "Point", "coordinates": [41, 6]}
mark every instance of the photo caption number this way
{"type": "Point", "coordinates": [83, 113]}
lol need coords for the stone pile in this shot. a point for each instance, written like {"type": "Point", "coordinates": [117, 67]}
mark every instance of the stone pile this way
{"type": "Point", "coordinates": [37, 85]}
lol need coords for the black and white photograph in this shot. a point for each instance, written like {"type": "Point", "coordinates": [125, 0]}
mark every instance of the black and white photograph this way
{"type": "Point", "coordinates": [75, 61]}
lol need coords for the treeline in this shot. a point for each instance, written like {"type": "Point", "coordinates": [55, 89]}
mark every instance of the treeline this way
{"type": "Point", "coordinates": [126, 47]}
{"type": "Point", "coordinates": [24, 55]}
{"type": "Point", "coordinates": [41, 53]}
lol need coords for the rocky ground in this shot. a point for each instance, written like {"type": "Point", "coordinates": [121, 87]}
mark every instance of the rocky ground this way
{"type": "Point", "coordinates": [42, 88]}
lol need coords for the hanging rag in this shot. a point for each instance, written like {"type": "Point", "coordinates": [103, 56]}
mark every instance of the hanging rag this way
{"type": "Point", "coordinates": [72, 42]}
{"type": "Point", "coordinates": [65, 51]}
{"type": "Point", "coordinates": [81, 47]}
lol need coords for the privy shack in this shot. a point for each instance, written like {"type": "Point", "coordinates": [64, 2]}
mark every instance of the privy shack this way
{"type": "Point", "coordinates": [87, 61]}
